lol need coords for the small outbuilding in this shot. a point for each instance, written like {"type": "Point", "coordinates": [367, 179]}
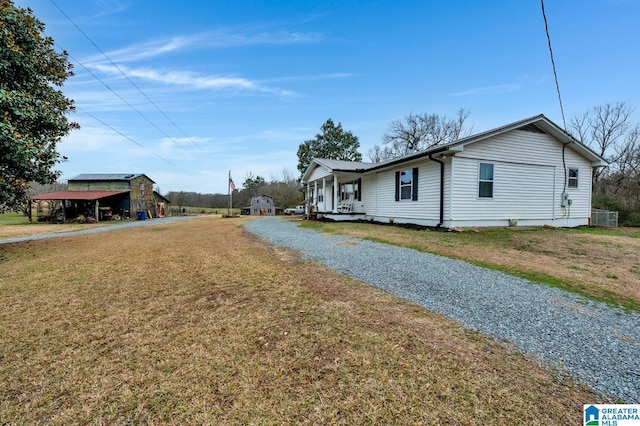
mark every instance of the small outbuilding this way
{"type": "Point", "coordinates": [262, 205]}
{"type": "Point", "coordinates": [97, 197]}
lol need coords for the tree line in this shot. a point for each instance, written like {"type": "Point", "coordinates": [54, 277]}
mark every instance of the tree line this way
{"type": "Point", "coordinates": [284, 189]}
{"type": "Point", "coordinates": [607, 129]}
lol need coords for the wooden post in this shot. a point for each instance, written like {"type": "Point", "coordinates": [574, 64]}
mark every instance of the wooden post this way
{"type": "Point", "coordinates": [229, 193]}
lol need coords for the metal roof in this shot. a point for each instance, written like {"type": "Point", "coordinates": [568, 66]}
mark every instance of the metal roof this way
{"type": "Point", "coordinates": [343, 165]}
{"type": "Point", "coordinates": [109, 176]}
{"type": "Point", "coordinates": [77, 195]}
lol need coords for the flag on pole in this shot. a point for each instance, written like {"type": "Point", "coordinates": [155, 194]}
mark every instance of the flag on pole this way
{"type": "Point", "coordinates": [231, 184]}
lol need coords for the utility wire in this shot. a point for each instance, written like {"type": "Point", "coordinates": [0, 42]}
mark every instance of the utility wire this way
{"type": "Point", "coordinates": [553, 64]}
{"type": "Point", "coordinates": [124, 75]}
{"type": "Point", "coordinates": [125, 101]}
{"type": "Point", "coordinates": [564, 122]}
{"type": "Point", "coordinates": [125, 136]}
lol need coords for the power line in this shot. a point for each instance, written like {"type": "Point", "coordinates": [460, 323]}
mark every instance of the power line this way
{"type": "Point", "coordinates": [125, 136]}
{"type": "Point", "coordinates": [124, 75]}
{"type": "Point", "coordinates": [124, 100]}
{"type": "Point", "coordinates": [553, 64]}
{"type": "Point", "coordinates": [555, 75]}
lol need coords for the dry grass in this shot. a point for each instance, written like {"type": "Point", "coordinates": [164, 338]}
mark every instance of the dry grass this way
{"type": "Point", "coordinates": [13, 225]}
{"type": "Point", "coordinates": [603, 264]}
{"type": "Point", "coordinates": [199, 323]}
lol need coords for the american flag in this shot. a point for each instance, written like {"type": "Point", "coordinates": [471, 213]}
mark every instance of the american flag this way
{"type": "Point", "coordinates": [231, 184]}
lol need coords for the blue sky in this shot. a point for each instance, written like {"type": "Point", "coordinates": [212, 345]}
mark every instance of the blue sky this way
{"type": "Point", "coordinates": [238, 85]}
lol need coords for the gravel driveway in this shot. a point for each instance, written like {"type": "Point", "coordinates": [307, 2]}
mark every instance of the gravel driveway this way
{"type": "Point", "coordinates": [111, 227]}
{"type": "Point", "coordinates": [594, 343]}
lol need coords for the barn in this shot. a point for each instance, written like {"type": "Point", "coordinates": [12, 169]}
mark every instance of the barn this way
{"type": "Point", "coordinates": [262, 205]}
{"type": "Point", "coordinates": [98, 197]}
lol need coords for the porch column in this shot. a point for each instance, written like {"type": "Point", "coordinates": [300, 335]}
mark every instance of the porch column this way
{"type": "Point", "coordinates": [307, 204]}
{"type": "Point", "coordinates": [97, 210]}
{"type": "Point", "coordinates": [315, 192]}
{"type": "Point", "coordinates": [335, 194]}
{"type": "Point", "coordinates": [324, 194]}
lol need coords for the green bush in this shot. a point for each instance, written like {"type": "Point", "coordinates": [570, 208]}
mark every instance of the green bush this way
{"type": "Point", "coordinates": [605, 202]}
{"type": "Point", "coordinates": [629, 218]}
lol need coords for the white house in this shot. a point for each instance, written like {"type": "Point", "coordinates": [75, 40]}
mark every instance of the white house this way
{"type": "Point", "coordinates": [527, 173]}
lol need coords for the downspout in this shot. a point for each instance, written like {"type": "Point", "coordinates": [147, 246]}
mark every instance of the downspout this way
{"type": "Point", "coordinates": [441, 189]}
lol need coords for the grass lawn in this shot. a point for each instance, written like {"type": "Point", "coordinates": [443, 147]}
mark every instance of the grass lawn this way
{"type": "Point", "coordinates": [602, 264]}
{"type": "Point", "coordinates": [13, 218]}
{"type": "Point", "coordinates": [198, 322]}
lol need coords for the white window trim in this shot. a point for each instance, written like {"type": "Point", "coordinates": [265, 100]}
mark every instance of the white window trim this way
{"type": "Point", "coordinates": [576, 179]}
{"type": "Point", "coordinates": [493, 181]}
{"type": "Point", "coordinates": [410, 185]}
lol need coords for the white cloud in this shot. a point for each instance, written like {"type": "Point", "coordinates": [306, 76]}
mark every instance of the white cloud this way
{"type": "Point", "coordinates": [500, 88]}
{"type": "Point", "coordinates": [142, 51]}
{"type": "Point", "coordinates": [206, 40]}
{"type": "Point", "coordinates": [194, 80]}
{"type": "Point", "coordinates": [313, 77]}
{"type": "Point", "coordinates": [91, 139]}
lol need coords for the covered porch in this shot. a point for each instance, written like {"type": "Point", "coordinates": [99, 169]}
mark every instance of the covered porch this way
{"type": "Point", "coordinates": [337, 196]}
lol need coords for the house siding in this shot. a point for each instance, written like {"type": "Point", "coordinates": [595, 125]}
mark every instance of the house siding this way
{"type": "Point", "coordinates": [381, 202]}
{"type": "Point", "coordinates": [520, 191]}
{"type": "Point", "coordinates": [318, 173]}
{"type": "Point", "coordinates": [528, 182]}
{"type": "Point", "coordinates": [369, 200]}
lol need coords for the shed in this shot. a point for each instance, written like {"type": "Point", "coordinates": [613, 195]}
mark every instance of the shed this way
{"type": "Point", "coordinates": [106, 196]}
{"type": "Point", "coordinates": [262, 205]}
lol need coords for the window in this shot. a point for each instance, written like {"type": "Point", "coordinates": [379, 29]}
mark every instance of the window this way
{"type": "Point", "coordinates": [351, 190]}
{"type": "Point", "coordinates": [573, 178]}
{"type": "Point", "coordinates": [485, 180]}
{"type": "Point", "coordinates": [407, 184]}
{"type": "Point", "coordinates": [346, 191]}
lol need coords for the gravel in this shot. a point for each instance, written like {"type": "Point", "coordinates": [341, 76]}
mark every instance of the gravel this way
{"type": "Point", "coordinates": [594, 343]}
{"type": "Point", "coordinates": [93, 230]}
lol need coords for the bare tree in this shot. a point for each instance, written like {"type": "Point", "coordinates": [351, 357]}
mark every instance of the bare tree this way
{"type": "Point", "coordinates": [378, 154]}
{"type": "Point", "coordinates": [417, 132]}
{"type": "Point", "coordinates": [624, 181]}
{"type": "Point", "coordinates": [285, 189]}
{"type": "Point", "coordinates": [603, 128]}
{"type": "Point", "coordinates": [608, 131]}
